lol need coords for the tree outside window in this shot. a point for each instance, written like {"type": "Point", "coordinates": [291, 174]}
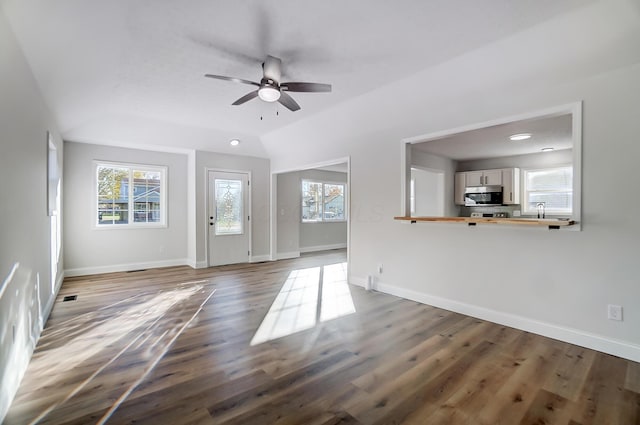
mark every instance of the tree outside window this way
{"type": "Point", "coordinates": [130, 194]}
{"type": "Point", "coordinates": [322, 202]}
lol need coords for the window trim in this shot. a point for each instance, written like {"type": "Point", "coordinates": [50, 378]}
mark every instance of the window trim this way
{"type": "Point", "coordinates": [164, 173]}
{"type": "Point", "coordinates": [525, 200]}
{"type": "Point", "coordinates": [323, 182]}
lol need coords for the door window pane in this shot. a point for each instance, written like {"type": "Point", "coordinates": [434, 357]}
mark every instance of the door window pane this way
{"type": "Point", "coordinates": [229, 212]}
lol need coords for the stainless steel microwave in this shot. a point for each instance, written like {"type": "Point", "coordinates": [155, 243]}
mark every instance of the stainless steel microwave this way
{"type": "Point", "coordinates": [481, 196]}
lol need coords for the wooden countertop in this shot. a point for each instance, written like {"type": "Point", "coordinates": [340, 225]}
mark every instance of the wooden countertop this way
{"type": "Point", "coordinates": [550, 222]}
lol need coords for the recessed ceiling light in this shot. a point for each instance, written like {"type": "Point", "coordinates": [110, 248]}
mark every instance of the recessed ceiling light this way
{"type": "Point", "coordinates": [546, 149]}
{"type": "Point", "coordinates": [234, 142]}
{"type": "Point", "coordinates": [520, 136]}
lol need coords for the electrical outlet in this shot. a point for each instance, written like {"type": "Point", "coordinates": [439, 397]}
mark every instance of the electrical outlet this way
{"type": "Point", "coordinates": [614, 312]}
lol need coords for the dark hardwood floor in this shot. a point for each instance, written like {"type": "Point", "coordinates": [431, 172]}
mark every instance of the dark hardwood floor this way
{"type": "Point", "coordinates": [289, 342]}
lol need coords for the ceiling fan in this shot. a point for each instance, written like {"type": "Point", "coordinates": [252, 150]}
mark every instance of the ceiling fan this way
{"type": "Point", "coordinates": [270, 89]}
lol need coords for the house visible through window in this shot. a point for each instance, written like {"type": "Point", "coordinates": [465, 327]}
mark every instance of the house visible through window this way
{"type": "Point", "coordinates": [552, 187]}
{"type": "Point", "coordinates": [130, 195]}
{"type": "Point", "coordinates": [322, 201]}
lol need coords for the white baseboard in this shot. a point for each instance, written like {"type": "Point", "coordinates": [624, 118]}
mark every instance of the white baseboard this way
{"type": "Point", "coordinates": [81, 271]}
{"type": "Point", "coordinates": [199, 264]}
{"type": "Point", "coordinates": [260, 258]}
{"type": "Point", "coordinates": [573, 336]}
{"type": "Point", "coordinates": [52, 300]}
{"type": "Point", "coordinates": [322, 247]}
{"type": "Point", "coordinates": [357, 281]}
{"type": "Point", "coordinates": [287, 255]}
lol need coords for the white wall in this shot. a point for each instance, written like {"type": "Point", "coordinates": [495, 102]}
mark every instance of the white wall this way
{"type": "Point", "coordinates": [542, 159]}
{"type": "Point", "coordinates": [293, 236]}
{"type": "Point", "coordinates": [448, 167]}
{"type": "Point", "coordinates": [97, 250]}
{"type": "Point", "coordinates": [288, 210]}
{"type": "Point", "coordinates": [556, 283]}
{"type": "Point", "coordinates": [322, 236]}
{"type": "Point", "coordinates": [260, 212]}
{"type": "Point", "coordinates": [27, 291]}
{"type": "Point", "coordinates": [429, 192]}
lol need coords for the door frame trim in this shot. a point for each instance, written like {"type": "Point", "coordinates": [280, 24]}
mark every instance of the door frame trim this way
{"type": "Point", "coordinates": [209, 170]}
{"type": "Point", "coordinates": [274, 206]}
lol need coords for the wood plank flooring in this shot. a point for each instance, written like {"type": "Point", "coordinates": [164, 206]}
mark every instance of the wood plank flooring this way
{"type": "Point", "coordinates": [173, 346]}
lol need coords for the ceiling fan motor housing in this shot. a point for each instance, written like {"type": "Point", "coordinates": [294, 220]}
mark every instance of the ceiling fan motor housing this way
{"type": "Point", "coordinates": [269, 90]}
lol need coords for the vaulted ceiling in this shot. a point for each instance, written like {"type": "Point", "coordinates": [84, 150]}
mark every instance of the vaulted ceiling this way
{"type": "Point", "coordinates": [131, 73]}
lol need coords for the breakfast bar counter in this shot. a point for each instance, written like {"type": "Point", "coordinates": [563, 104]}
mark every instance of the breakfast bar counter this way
{"type": "Point", "coordinates": [552, 223]}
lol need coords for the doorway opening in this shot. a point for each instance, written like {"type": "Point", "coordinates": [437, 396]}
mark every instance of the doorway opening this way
{"type": "Point", "coordinates": [310, 209]}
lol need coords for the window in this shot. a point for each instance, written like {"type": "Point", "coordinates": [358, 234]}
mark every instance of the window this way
{"type": "Point", "coordinates": [322, 202]}
{"type": "Point", "coordinates": [130, 195]}
{"type": "Point", "coordinates": [552, 187]}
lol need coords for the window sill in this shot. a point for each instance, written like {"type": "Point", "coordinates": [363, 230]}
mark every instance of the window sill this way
{"type": "Point", "coordinates": [128, 226]}
{"type": "Point", "coordinates": [324, 222]}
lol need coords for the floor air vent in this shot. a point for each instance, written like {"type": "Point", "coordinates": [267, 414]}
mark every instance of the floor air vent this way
{"type": "Point", "coordinates": [70, 298]}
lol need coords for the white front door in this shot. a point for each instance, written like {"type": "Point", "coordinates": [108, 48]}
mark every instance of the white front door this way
{"type": "Point", "coordinates": [228, 218]}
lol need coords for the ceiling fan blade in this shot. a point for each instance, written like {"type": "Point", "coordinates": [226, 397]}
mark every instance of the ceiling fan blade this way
{"type": "Point", "coordinates": [235, 80]}
{"type": "Point", "coordinates": [306, 87]}
{"type": "Point", "coordinates": [247, 97]}
{"type": "Point", "coordinates": [288, 102]}
{"type": "Point", "coordinates": [272, 68]}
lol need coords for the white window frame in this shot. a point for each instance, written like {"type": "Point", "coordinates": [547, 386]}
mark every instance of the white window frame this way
{"type": "Point", "coordinates": [322, 218]}
{"type": "Point", "coordinates": [525, 192]}
{"type": "Point", "coordinates": [163, 170]}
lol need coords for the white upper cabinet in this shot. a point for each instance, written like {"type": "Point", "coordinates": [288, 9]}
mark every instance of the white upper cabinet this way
{"type": "Point", "coordinates": [459, 184]}
{"type": "Point", "coordinates": [511, 186]}
{"type": "Point", "coordinates": [474, 178]}
{"type": "Point", "coordinates": [484, 178]}
{"type": "Point", "coordinates": [492, 177]}
{"type": "Point", "coordinates": [508, 178]}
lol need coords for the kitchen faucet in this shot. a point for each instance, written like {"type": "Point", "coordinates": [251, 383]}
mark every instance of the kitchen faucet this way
{"type": "Point", "coordinates": [540, 207]}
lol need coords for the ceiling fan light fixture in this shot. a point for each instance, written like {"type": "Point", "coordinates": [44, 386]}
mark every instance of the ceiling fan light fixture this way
{"type": "Point", "coordinates": [269, 94]}
{"type": "Point", "coordinates": [520, 136]}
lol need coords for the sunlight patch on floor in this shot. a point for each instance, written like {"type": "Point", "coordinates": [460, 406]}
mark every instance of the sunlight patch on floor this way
{"type": "Point", "coordinates": [336, 296]}
{"type": "Point", "coordinates": [307, 297]}
{"type": "Point", "coordinates": [139, 329]}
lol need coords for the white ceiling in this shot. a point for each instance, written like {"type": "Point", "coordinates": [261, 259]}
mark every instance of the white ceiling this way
{"type": "Point", "coordinates": [494, 142]}
{"type": "Point", "coordinates": [130, 73]}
